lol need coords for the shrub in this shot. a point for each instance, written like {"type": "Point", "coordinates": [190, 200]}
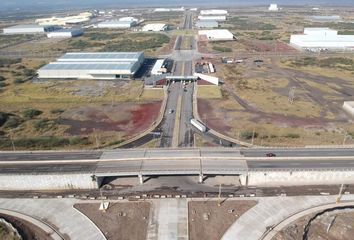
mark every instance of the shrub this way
{"type": "Point", "coordinates": [18, 81]}
{"type": "Point", "coordinates": [3, 118]}
{"type": "Point", "coordinates": [292, 135]}
{"type": "Point", "coordinates": [248, 134]}
{"type": "Point", "coordinates": [12, 122]}
{"type": "Point", "coordinates": [2, 84]}
{"type": "Point", "coordinates": [56, 111]}
{"type": "Point", "coordinates": [31, 113]}
{"type": "Point", "coordinates": [30, 73]}
{"type": "Point", "coordinates": [79, 141]}
{"type": "Point", "coordinates": [2, 78]}
{"type": "Point", "coordinates": [222, 49]}
{"type": "Point", "coordinates": [41, 124]}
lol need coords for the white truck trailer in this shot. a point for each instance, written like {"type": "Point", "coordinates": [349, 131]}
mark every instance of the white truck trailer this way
{"type": "Point", "coordinates": [200, 126]}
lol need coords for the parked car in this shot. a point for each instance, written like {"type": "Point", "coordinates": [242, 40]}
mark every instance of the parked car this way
{"type": "Point", "coordinates": [271, 155]}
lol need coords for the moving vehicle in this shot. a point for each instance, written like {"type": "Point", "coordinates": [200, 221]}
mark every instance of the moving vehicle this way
{"type": "Point", "coordinates": [271, 155]}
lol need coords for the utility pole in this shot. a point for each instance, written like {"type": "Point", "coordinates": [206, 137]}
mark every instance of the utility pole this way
{"type": "Point", "coordinates": [219, 201]}
{"type": "Point", "coordinates": [254, 129]}
{"type": "Point", "coordinates": [291, 94]}
{"type": "Point", "coordinates": [340, 193]}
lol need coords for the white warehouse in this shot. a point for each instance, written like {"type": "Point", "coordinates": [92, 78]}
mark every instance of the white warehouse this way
{"type": "Point", "coordinates": [116, 24]}
{"type": "Point", "coordinates": [98, 65]}
{"type": "Point", "coordinates": [322, 38]}
{"type": "Point", "coordinates": [215, 18]}
{"type": "Point", "coordinates": [29, 29]}
{"type": "Point", "coordinates": [217, 35]}
{"type": "Point", "coordinates": [213, 12]}
{"type": "Point", "coordinates": [156, 27]}
{"type": "Point", "coordinates": [65, 33]}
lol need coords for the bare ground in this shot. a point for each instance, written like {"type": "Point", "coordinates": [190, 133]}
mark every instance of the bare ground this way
{"type": "Point", "coordinates": [122, 221]}
{"type": "Point", "coordinates": [342, 228]}
{"type": "Point", "coordinates": [26, 229]}
{"type": "Point", "coordinates": [219, 218]}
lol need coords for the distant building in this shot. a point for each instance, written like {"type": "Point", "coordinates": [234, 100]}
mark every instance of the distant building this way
{"type": "Point", "coordinates": [213, 12]}
{"type": "Point", "coordinates": [349, 108]}
{"type": "Point", "coordinates": [29, 29]}
{"type": "Point", "coordinates": [216, 18]}
{"type": "Point", "coordinates": [333, 18]}
{"type": "Point", "coordinates": [207, 24]}
{"type": "Point", "coordinates": [128, 19]}
{"type": "Point", "coordinates": [182, 9]}
{"type": "Point", "coordinates": [62, 21]}
{"type": "Point", "coordinates": [273, 7]}
{"type": "Point", "coordinates": [321, 38]}
{"type": "Point", "coordinates": [96, 65]}
{"type": "Point", "coordinates": [65, 33]}
{"type": "Point", "coordinates": [159, 68]}
{"type": "Point", "coordinates": [116, 24]}
{"type": "Point", "coordinates": [217, 35]}
{"type": "Point", "coordinates": [155, 27]}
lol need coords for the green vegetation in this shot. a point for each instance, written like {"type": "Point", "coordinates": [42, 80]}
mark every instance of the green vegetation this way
{"type": "Point", "coordinates": [334, 25]}
{"type": "Point", "coordinates": [31, 113]}
{"type": "Point", "coordinates": [99, 36]}
{"type": "Point", "coordinates": [12, 122]}
{"type": "Point", "coordinates": [56, 111]}
{"type": "Point", "coordinates": [243, 24]}
{"type": "Point", "coordinates": [47, 142]}
{"type": "Point", "coordinates": [138, 42]}
{"type": "Point", "coordinates": [3, 118]}
{"type": "Point", "coordinates": [248, 134]}
{"type": "Point", "coordinates": [222, 49]}
{"type": "Point", "coordinates": [42, 124]}
{"type": "Point", "coordinates": [2, 78]}
{"type": "Point", "coordinates": [4, 62]}
{"type": "Point", "coordinates": [292, 135]}
{"type": "Point", "coordinates": [340, 63]}
{"type": "Point", "coordinates": [18, 81]}
{"type": "Point", "coordinates": [267, 35]}
{"type": "Point", "coordinates": [346, 32]}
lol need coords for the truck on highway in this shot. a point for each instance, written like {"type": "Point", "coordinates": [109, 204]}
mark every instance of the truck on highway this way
{"type": "Point", "coordinates": [200, 126]}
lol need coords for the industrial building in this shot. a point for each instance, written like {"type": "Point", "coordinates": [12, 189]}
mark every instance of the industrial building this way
{"type": "Point", "coordinates": [29, 29]}
{"type": "Point", "coordinates": [273, 7]}
{"type": "Point", "coordinates": [182, 9]}
{"type": "Point", "coordinates": [348, 107]}
{"type": "Point", "coordinates": [62, 21]}
{"type": "Point", "coordinates": [207, 24]}
{"type": "Point", "coordinates": [216, 35]}
{"type": "Point", "coordinates": [98, 65]}
{"type": "Point", "coordinates": [155, 27]}
{"type": "Point", "coordinates": [65, 33]}
{"type": "Point", "coordinates": [214, 17]}
{"type": "Point", "coordinates": [213, 12]}
{"type": "Point", "coordinates": [322, 38]}
{"type": "Point", "coordinates": [333, 18]}
{"type": "Point", "coordinates": [116, 24]}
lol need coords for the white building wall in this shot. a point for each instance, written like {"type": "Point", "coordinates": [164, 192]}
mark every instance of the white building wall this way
{"type": "Point", "coordinates": [349, 108]}
{"type": "Point", "coordinates": [213, 12]}
{"type": "Point", "coordinates": [217, 34]}
{"type": "Point", "coordinates": [47, 182]}
{"type": "Point", "coordinates": [216, 18]}
{"type": "Point", "coordinates": [287, 178]}
{"type": "Point", "coordinates": [23, 30]}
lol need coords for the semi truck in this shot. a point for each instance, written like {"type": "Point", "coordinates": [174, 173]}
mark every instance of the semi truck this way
{"type": "Point", "coordinates": [200, 126]}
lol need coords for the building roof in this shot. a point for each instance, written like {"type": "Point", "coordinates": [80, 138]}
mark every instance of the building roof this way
{"type": "Point", "coordinates": [100, 56]}
{"type": "Point", "coordinates": [67, 30]}
{"type": "Point", "coordinates": [217, 34]}
{"type": "Point", "coordinates": [26, 26]}
{"type": "Point", "coordinates": [213, 12]}
{"type": "Point", "coordinates": [88, 66]}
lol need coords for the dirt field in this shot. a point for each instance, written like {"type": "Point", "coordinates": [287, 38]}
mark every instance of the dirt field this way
{"type": "Point", "coordinates": [342, 228]}
{"type": "Point", "coordinates": [122, 221]}
{"type": "Point", "coordinates": [219, 219]}
{"type": "Point", "coordinates": [257, 97]}
{"type": "Point", "coordinates": [25, 229]}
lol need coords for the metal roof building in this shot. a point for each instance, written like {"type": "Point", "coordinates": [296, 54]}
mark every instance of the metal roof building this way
{"type": "Point", "coordinates": [65, 33]}
{"type": "Point", "coordinates": [214, 17]}
{"type": "Point", "coordinates": [29, 29]}
{"type": "Point", "coordinates": [217, 34]}
{"type": "Point", "coordinates": [116, 24]}
{"type": "Point", "coordinates": [104, 65]}
{"type": "Point", "coordinates": [207, 24]}
{"type": "Point", "coordinates": [318, 38]}
{"type": "Point", "coordinates": [213, 12]}
{"type": "Point", "coordinates": [156, 27]}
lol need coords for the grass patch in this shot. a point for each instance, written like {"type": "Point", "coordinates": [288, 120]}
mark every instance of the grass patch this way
{"type": "Point", "coordinates": [222, 49]}
{"type": "Point", "coordinates": [340, 63]}
{"type": "Point", "coordinates": [153, 93]}
{"type": "Point", "coordinates": [209, 92]}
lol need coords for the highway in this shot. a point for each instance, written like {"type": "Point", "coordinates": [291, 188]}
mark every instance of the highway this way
{"type": "Point", "coordinates": [188, 161]}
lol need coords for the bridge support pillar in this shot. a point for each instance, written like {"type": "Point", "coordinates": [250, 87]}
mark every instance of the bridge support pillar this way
{"type": "Point", "coordinates": [201, 178]}
{"type": "Point", "coordinates": [141, 179]}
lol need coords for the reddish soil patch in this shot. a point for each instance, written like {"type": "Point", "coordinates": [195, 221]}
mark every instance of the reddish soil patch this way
{"type": "Point", "coordinates": [202, 46]}
{"type": "Point", "coordinates": [135, 118]}
{"type": "Point", "coordinates": [203, 82]}
{"type": "Point", "coordinates": [161, 82]}
{"type": "Point", "coordinates": [212, 121]}
{"type": "Point", "coordinates": [219, 219]}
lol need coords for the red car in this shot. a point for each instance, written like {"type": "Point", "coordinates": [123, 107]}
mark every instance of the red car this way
{"type": "Point", "coordinates": [271, 155]}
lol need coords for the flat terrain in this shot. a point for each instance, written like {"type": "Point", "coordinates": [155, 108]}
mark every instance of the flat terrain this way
{"type": "Point", "coordinates": [341, 229]}
{"type": "Point", "coordinates": [123, 221]}
{"type": "Point", "coordinates": [209, 221]}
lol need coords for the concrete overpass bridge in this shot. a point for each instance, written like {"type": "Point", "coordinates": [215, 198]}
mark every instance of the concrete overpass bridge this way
{"type": "Point", "coordinates": [87, 169]}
